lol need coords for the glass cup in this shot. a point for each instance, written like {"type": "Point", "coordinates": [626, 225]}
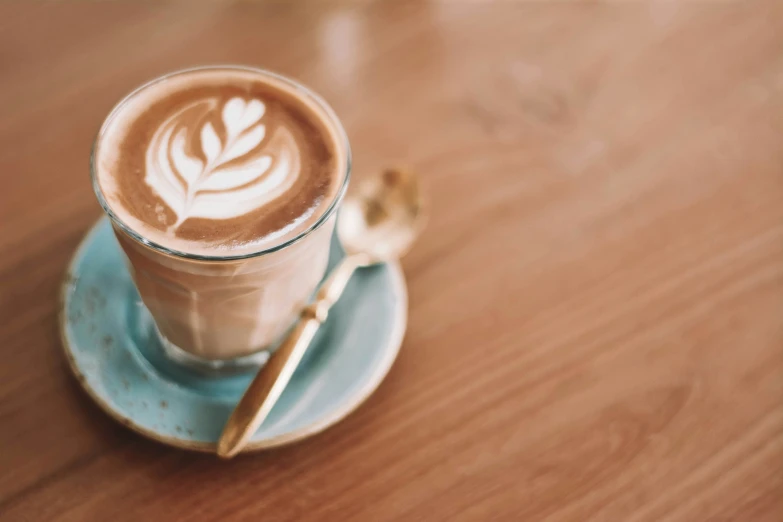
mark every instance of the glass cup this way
{"type": "Point", "coordinates": [220, 311]}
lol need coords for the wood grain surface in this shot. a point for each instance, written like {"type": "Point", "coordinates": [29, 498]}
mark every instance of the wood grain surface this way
{"type": "Point", "coordinates": [596, 306]}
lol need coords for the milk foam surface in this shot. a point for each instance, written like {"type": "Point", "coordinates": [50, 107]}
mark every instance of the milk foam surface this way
{"type": "Point", "coordinates": [220, 161]}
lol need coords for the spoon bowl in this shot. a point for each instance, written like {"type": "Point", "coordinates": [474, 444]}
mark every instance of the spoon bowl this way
{"type": "Point", "coordinates": [382, 218]}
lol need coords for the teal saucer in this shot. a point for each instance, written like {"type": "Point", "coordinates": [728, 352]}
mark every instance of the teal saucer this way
{"type": "Point", "coordinates": [109, 340]}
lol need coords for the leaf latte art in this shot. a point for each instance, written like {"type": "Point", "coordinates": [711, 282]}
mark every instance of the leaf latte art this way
{"type": "Point", "coordinates": [224, 160]}
{"type": "Point", "coordinates": [225, 166]}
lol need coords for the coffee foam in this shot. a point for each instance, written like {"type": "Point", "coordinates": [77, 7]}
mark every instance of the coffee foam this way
{"type": "Point", "coordinates": [220, 161]}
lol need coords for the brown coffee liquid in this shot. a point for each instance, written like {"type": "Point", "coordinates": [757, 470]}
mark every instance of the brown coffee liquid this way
{"type": "Point", "coordinates": [220, 161]}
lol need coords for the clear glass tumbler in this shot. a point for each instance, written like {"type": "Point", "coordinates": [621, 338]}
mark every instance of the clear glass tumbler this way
{"type": "Point", "coordinates": [223, 311]}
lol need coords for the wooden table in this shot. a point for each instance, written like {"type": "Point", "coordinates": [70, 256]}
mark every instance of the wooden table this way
{"type": "Point", "coordinates": [596, 307]}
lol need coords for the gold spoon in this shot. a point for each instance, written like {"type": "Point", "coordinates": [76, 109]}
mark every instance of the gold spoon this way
{"type": "Point", "coordinates": [377, 224]}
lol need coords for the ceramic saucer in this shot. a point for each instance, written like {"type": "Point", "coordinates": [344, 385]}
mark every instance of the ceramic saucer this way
{"type": "Point", "coordinates": [109, 340]}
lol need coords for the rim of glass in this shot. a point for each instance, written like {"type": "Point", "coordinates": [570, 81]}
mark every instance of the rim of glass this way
{"type": "Point", "coordinates": [297, 87]}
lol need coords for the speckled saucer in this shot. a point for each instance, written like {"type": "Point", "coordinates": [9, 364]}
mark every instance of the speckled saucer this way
{"type": "Point", "coordinates": [108, 339]}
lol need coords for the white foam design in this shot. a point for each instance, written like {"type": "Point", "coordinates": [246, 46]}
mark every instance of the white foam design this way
{"type": "Point", "coordinates": [241, 173]}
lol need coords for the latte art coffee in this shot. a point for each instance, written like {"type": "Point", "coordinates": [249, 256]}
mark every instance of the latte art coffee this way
{"type": "Point", "coordinates": [219, 160]}
{"type": "Point", "coordinates": [222, 185]}
{"type": "Point", "coordinates": [231, 175]}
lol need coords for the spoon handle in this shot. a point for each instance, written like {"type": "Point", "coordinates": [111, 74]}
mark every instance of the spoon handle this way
{"type": "Point", "coordinates": [271, 380]}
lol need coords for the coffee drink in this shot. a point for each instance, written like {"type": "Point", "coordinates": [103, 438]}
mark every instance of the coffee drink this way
{"type": "Point", "coordinates": [219, 161]}
{"type": "Point", "coordinates": [222, 184]}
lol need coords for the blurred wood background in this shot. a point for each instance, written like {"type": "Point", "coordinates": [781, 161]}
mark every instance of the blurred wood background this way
{"type": "Point", "coordinates": [596, 308]}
